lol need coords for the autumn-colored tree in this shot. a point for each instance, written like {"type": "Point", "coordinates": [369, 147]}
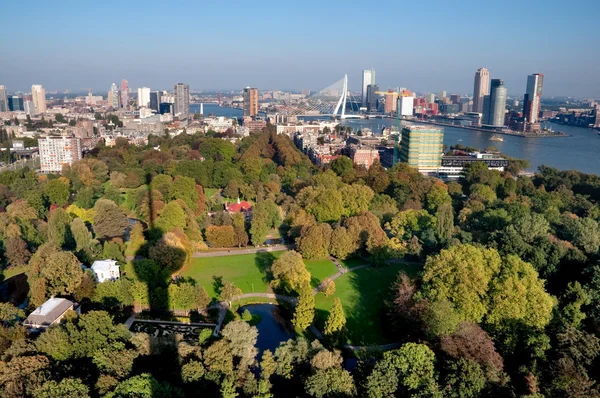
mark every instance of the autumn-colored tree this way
{"type": "Point", "coordinates": [342, 245]}
{"type": "Point", "coordinates": [109, 221]}
{"type": "Point", "coordinates": [223, 236]}
{"type": "Point", "coordinates": [289, 272]}
{"type": "Point", "coordinates": [16, 252]}
{"type": "Point", "coordinates": [314, 242]}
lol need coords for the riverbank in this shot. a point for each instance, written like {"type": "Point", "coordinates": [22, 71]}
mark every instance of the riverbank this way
{"type": "Point", "coordinates": [557, 134]}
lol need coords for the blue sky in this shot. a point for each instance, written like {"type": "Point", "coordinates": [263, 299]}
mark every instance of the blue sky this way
{"type": "Point", "coordinates": [425, 46]}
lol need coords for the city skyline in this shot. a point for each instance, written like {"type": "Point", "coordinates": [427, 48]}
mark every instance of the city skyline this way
{"type": "Point", "coordinates": [219, 58]}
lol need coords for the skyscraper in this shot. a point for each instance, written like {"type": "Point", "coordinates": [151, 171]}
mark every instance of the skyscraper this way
{"type": "Point", "coordinates": [143, 97]}
{"type": "Point", "coordinates": [113, 96]}
{"type": "Point", "coordinates": [15, 103]}
{"type": "Point", "coordinates": [250, 101]}
{"type": "Point", "coordinates": [155, 100]}
{"type": "Point", "coordinates": [124, 93]}
{"type": "Point", "coordinates": [372, 97]}
{"type": "Point", "coordinates": [531, 103]}
{"type": "Point", "coordinates": [3, 100]}
{"type": "Point", "coordinates": [480, 89]}
{"type": "Point", "coordinates": [38, 94]}
{"type": "Point", "coordinates": [494, 105]}
{"type": "Point", "coordinates": [422, 147]}
{"type": "Point", "coordinates": [368, 78]}
{"type": "Point", "coordinates": [182, 100]}
{"type": "Point", "coordinates": [441, 95]}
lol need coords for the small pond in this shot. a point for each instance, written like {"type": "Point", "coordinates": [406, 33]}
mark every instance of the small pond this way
{"type": "Point", "coordinates": [273, 327]}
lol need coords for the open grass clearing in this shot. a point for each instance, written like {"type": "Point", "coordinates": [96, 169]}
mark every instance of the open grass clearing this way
{"type": "Point", "coordinates": [363, 294]}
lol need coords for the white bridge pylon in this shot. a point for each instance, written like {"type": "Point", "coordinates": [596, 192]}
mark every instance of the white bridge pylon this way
{"type": "Point", "coordinates": [342, 102]}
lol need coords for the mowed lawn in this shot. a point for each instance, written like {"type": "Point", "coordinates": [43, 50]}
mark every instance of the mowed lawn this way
{"type": "Point", "coordinates": [363, 294]}
{"type": "Point", "coordinates": [319, 270]}
{"type": "Point", "coordinates": [248, 271]}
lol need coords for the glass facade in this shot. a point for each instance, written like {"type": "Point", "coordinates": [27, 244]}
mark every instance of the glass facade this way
{"type": "Point", "coordinates": [422, 147]}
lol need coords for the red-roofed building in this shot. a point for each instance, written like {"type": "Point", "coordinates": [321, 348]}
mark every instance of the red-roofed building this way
{"type": "Point", "coordinates": [239, 207]}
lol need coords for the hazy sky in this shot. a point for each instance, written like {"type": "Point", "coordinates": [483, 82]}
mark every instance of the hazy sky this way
{"type": "Point", "coordinates": [426, 46]}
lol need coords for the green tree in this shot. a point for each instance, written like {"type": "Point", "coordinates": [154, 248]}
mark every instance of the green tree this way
{"type": "Point", "coordinates": [408, 371]}
{"type": "Point", "coordinates": [583, 232]}
{"type": "Point", "coordinates": [265, 215]}
{"type": "Point", "coordinates": [342, 244]}
{"type": "Point", "coordinates": [81, 234]}
{"type": "Point", "coordinates": [229, 291]}
{"type": "Point", "coordinates": [336, 321]}
{"type": "Point", "coordinates": [356, 198]}
{"type": "Point", "coordinates": [63, 273]}
{"type": "Point", "coordinates": [268, 365]}
{"type": "Point", "coordinates": [343, 166]}
{"type": "Point", "coordinates": [326, 205]}
{"type": "Point", "coordinates": [331, 382]}
{"type": "Point", "coordinates": [315, 241]}
{"type": "Point", "coordinates": [67, 388]}
{"type": "Point", "coordinates": [57, 191]}
{"type": "Point", "coordinates": [184, 188]}
{"type": "Point", "coordinates": [289, 272]}
{"type": "Point", "coordinates": [171, 216]}
{"type": "Point", "coordinates": [444, 222]}
{"type": "Point", "coordinates": [517, 294]}
{"type": "Point", "coordinates": [305, 309]}
{"type": "Point", "coordinates": [143, 386]}
{"type": "Point", "coordinates": [461, 275]}
{"type": "Point", "coordinates": [465, 379]}
{"type": "Point", "coordinates": [58, 227]}
{"type": "Point", "coordinates": [109, 221]}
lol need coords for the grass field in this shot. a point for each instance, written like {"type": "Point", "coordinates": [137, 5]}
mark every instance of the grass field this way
{"type": "Point", "coordinates": [363, 294]}
{"type": "Point", "coordinates": [210, 192]}
{"type": "Point", "coordinates": [246, 271]}
{"type": "Point", "coordinates": [319, 270]}
{"type": "Point", "coordinates": [12, 271]}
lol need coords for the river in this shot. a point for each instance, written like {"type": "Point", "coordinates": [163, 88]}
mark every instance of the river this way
{"type": "Point", "coordinates": [580, 151]}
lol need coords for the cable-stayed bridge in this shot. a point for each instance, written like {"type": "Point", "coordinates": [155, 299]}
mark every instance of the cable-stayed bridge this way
{"type": "Point", "coordinates": [334, 101]}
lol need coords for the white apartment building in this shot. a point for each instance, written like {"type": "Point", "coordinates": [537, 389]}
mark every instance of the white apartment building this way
{"type": "Point", "coordinates": [55, 152]}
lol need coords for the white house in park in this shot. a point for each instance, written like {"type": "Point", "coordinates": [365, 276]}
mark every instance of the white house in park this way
{"type": "Point", "coordinates": [50, 313]}
{"type": "Point", "coordinates": [106, 270]}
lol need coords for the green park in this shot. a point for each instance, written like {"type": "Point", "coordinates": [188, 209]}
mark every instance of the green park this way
{"type": "Point", "coordinates": [363, 292]}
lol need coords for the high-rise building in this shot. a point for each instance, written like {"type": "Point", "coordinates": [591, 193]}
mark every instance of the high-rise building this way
{"type": "Point", "coordinates": [124, 94]}
{"type": "Point", "coordinates": [368, 78]}
{"type": "Point", "coordinates": [29, 108]}
{"type": "Point", "coordinates": [480, 89]}
{"type": "Point", "coordinates": [114, 97]}
{"type": "Point", "coordinates": [494, 105]}
{"type": "Point", "coordinates": [430, 98]}
{"type": "Point", "coordinates": [391, 102]}
{"type": "Point", "coordinates": [38, 94]}
{"type": "Point", "coordinates": [155, 100]}
{"type": "Point", "coordinates": [250, 101]}
{"type": "Point", "coordinates": [406, 105]}
{"type": "Point", "coordinates": [143, 97]}
{"type": "Point", "coordinates": [372, 98]}
{"type": "Point", "coordinates": [455, 98]}
{"type": "Point", "coordinates": [441, 95]}
{"type": "Point", "coordinates": [182, 100]}
{"type": "Point", "coordinates": [15, 103]}
{"type": "Point", "coordinates": [3, 100]}
{"type": "Point", "coordinates": [55, 152]}
{"type": "Point", "coordinates": [422, 147]}
{"type": "Point", "coordinates": [531, 103]}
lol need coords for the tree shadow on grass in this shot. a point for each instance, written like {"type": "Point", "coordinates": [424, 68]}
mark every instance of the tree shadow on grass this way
{"type": "Point", "coordinates": [263, 261]}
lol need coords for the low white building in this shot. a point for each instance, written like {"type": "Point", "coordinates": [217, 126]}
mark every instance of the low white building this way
{"type": "Point", "coordinates": [50, 313]}
{"type": "Point", "coordinates": [106, 270]}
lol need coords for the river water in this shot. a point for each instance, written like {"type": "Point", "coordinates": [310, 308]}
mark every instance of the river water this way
{"type": "Point", "coordinates": [580, 151]}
